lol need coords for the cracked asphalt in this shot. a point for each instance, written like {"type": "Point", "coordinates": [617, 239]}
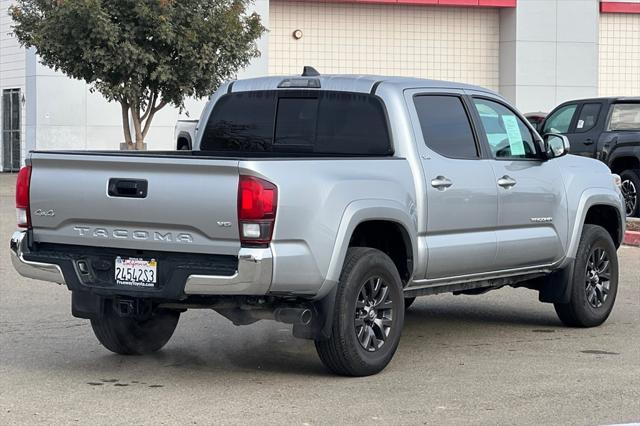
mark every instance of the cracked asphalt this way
{"type": "Point", "coordinates": [497, 358]}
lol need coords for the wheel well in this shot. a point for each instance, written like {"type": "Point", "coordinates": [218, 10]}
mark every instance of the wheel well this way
{"type": "Point", "coordinates": [183, 143]}
{"type": "Point", "coordinates": [608, 218]}
{"type": "Point", "coordinates": [390, 238]}
{"type": "Point", "coordinates": [624, 163]}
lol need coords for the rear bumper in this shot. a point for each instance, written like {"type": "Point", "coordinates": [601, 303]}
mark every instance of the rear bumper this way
{"type": "Point", "coordinates": [182, 278]}
{"type": "Point", "coordinates": [30, 269]}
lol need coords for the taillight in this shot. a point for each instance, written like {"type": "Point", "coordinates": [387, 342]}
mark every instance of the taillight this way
{"type": "Point", "coordinates": [257, 202]}
{"type": "Point", "coordinates": [22, 197]}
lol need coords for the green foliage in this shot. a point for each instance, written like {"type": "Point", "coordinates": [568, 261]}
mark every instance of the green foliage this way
{"type": "Point", "coordinates": [143, 54]}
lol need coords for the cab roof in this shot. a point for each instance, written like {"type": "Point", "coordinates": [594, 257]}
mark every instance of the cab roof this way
{"type": "Point", "coordinates": [362, 83]}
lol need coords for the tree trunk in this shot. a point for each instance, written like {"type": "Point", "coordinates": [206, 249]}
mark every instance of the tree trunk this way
{"type": "Point", "coordinates": [141, 121]}
{"type": "Point", "coordinates": [137, 126]}
{"type": "Point", "coordinates": [125, 124]}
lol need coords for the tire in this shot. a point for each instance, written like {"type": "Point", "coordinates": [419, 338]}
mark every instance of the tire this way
{"type": "Point", "coordinates": [369, 300]}
{"type": "Point", "coordinates": [128, 336]}
{"type": "Point", "coordinates": [631, 191]}
{"type": "Point", "coordinates": [588, 305]}
{"type": "Point", "coordinates": [408, 301]}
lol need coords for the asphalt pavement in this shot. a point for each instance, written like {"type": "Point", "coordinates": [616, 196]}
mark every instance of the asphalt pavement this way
{"type": "Point", "coordinates": [497, 358]}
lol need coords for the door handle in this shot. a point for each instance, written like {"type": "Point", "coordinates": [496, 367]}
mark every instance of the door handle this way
{"type": "Point", "coordinates": [441, 183]}
{"type": "Point", "coordinates": [588, 141]}
{"type": "Point", "coordinates": [506, 182]}
{"type": "Point", "coordinates": [127, 188]}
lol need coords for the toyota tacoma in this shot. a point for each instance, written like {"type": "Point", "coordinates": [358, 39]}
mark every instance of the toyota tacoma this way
{"type": "Point", "coordinates": [327, 202]}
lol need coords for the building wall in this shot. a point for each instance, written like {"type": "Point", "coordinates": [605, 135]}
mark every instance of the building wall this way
{"type": "Point", "coordinates": [448, 43]}
{"type": "Point", "coordinates": [12, 67]}
{"type": "Point", "coordinates": [619, 67]}
{"type": "Point", "coordinates": [549, 52]}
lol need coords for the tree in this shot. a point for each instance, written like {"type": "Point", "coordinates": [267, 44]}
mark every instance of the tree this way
{"type": "Point", "coordinates": [143, 54]}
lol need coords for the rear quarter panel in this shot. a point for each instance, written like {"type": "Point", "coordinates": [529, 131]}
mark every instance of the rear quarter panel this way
{"type": "Point", "coordinates": [314, 196]}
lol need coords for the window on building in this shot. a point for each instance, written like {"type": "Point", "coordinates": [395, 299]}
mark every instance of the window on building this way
{"type": "Point", "coordinates": [508, 136]}
{"type": "Point", "coordinates": [445, 126]}
{"type": "Point", "coordinates": [625, 117]}
{"type": "Point", "coordinates": [11, 129]}
{"type": "Point", "coordinates": [298, 122]}
{"type": "Point", "coordinates": [559, 121]}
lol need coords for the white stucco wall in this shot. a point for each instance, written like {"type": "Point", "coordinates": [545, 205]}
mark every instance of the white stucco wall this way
{"type": "Point", "coordinates": [445, 43]}
{"type": "Point", "coordinates": [549, 52]}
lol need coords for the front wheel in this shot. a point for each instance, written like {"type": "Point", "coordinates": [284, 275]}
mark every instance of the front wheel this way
{"type": "Point", "coordinates": [130, 336]}
{"type": "Point", "coordinates": [595, 280]}
{"type": "Point", "coordinates": [368, 315]}
{"type": "Point", "coordinates": [630, 188]}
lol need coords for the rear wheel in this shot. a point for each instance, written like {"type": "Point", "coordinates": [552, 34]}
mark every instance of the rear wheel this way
{"type": "Point", "coordinates": [368, 315]}
{"type": "Point", "coordinates": [130, 336]}
{"type": "Point", "coordinates": [631, 191]}
{"type": "Point", "coordinates": [595, 280]}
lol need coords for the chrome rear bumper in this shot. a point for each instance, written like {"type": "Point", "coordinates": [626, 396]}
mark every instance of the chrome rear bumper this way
{"type": "Point", "coordinates": [36, 270]}
{"type": "Point", "coordinates": [253, 276]}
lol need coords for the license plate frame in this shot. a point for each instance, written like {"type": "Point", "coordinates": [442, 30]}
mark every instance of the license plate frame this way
{"type": "Point", "coordinates": [135, 272]}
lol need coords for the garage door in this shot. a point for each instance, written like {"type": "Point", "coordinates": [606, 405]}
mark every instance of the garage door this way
{"type": "Point", "coordinates": [619, 54]}
{"type": "Point", "coordinates": [448, 43]}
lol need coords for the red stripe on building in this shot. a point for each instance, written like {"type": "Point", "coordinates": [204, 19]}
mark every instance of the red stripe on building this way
{"type": "Point", "coordinates": [462, 3]}
{"type": "Point", "coordinates": [619, 7]}
{"type": "Point", "coordinates": [497, 3]}
{"type": "Point", "coordinates": [458, 2]}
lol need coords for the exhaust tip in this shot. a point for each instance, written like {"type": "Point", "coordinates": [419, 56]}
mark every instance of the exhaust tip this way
{"type": "Point", "coordinates": [306, 316]}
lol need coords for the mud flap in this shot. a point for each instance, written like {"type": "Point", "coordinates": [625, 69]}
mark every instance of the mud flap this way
{"type": "Point", "coordinates": [320, 326]}
{"type": "Point", "coordinates": [556, 287]}
{"type": "Point", "coordinates": [86, 305]}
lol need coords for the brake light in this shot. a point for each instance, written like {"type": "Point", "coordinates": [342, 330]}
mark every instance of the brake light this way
{"type": "Point", "coordinates": [257, 202]}
{"type": "Point", "coordinates": [22, 197]}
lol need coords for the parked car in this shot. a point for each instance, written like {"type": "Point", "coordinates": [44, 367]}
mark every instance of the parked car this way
{"type": "Point", "coordinates": [536, 119]}
{"type": "Point", "coordinates": [185, 134]}
{"type": "Point", "coordinates": [329, 203]}
{"type": "Point", "coordinates": [607, 129]}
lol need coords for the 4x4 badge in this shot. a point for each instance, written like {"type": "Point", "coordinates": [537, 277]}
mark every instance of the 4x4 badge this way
{"type": "Point", "coordinates": [41, 212]}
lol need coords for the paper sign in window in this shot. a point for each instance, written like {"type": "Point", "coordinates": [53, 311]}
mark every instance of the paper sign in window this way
{"type": "Point", "coordinates": [514, 135]}
{"type": "Point", "coordinates": [580, 124]}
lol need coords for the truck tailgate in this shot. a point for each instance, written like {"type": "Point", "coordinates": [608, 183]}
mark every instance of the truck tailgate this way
{"type": "Point", "coordinates": [190, 203]}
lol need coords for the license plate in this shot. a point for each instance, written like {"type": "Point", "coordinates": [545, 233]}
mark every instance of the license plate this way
{"type": "Point", "coordinates": [136, 272]}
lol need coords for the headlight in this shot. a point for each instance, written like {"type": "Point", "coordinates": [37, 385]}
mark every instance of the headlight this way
{"type": "Point", "coordinates": [617, 180]}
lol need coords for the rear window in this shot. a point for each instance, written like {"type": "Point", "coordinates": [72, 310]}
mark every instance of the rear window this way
{"type": "Point", "coordinates": [298, 122]}
{"type": "Point", "coordinates": [625, 117]}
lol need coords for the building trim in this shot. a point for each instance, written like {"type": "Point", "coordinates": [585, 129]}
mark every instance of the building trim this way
{"type": "Point", "coordinates": [457, 3]}
{"type": "Point", "coordinates": [619, 7]}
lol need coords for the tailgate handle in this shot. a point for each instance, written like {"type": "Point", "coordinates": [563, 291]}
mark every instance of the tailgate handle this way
{"type": "Point", "coordinates": [130, 188]}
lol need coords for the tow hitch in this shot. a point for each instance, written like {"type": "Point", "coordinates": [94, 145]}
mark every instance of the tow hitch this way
{"type": "Point", "coordinates": [133, 308]}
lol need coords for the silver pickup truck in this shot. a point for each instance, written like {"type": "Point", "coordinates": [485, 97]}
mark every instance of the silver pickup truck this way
{"type": "Point", "coordinates": [327, 202]}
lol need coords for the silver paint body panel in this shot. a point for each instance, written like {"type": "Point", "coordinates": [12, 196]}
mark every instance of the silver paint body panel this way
{"type": "Point", "coordinates": [474, 229]}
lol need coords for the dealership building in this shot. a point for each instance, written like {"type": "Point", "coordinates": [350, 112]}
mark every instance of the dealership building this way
{"type": "Point", "coordinates": [537, 53]}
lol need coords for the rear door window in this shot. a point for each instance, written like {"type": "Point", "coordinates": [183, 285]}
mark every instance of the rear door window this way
{"type": "Point", "coordinates": [588, 117]}
{"type": "Point", "coordinates": [625, 117]}
{"type": "Point", "coordinates": [445, 126]}
{"type": "Point", "coordinates": [298, 122]}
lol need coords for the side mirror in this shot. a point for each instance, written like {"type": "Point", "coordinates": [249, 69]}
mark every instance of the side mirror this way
{"type": "Point", "coordinates": [555, 145]}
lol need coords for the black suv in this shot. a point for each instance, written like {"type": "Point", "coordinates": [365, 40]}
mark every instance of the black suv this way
{"type": "Point", "coordinates": [607, 129]}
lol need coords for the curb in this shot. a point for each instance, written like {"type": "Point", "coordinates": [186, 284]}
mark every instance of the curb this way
{"type": "Point", "coordinates": [632, 235]}
{"type": "Point", "coordinates": [632, 238]}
